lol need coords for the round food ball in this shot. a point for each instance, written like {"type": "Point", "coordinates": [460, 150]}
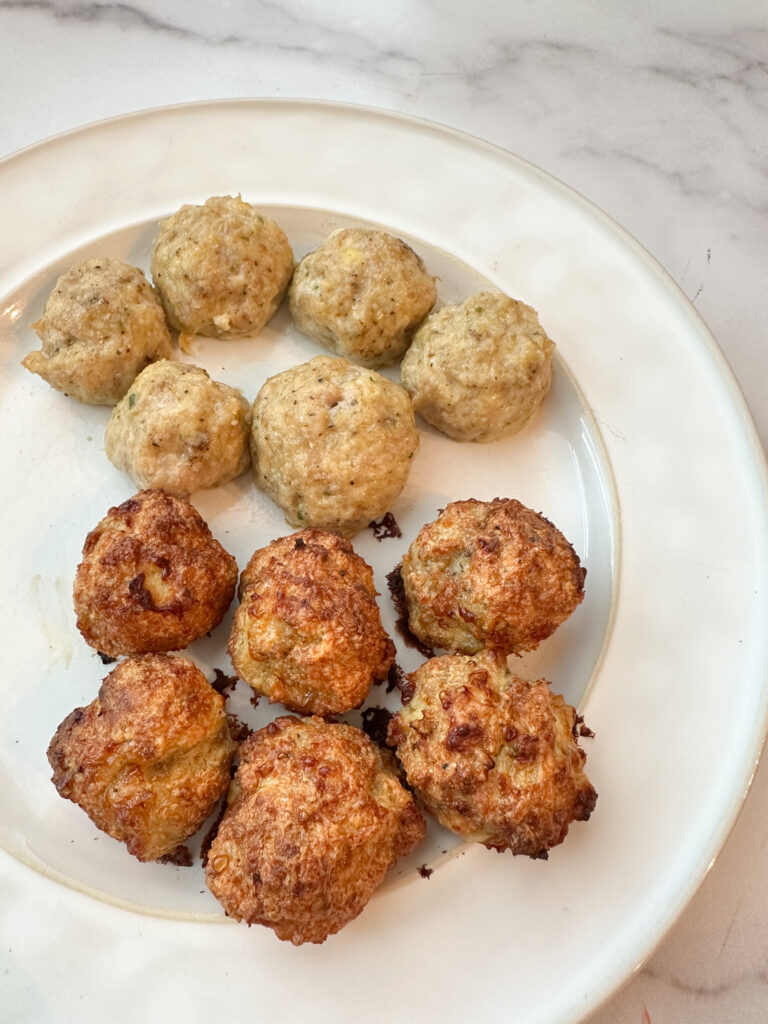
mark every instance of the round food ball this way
{"type": "Point", "coordinates": [316, 818]}
{"type": "Point", "coordinates": [491, 755]}
{"type": "Point", "coordinates": [490, 573]}
{"type": "Point", "coordinates": [332, 443]}
{"type": "Point", "coordinates": [308, 631]}
{"type": "Point", "coordinates": [222, 268]}
{"type": "Point", "coordinates": [178, 430]}
{"type": "Point", "coordinates": [478, 371]}
{"type": "Point", "coordinates": [152, 578]}
{"type": "Point", "coordinates": [362, 294]}
{"type": "Point", "coordinates": [102, 324]}
{"type": "Point", "coordinates": [149, 757]}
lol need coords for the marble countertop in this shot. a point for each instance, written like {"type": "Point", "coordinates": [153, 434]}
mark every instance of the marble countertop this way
{"type": "Point", "coordinates": [657, 113]}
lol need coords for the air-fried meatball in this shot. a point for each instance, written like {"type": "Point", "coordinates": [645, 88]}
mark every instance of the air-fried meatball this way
{"type": "Point", "coordinates": [493, 756]}
{"type": "Point", "coordinates": [316, 817]}
{"type": "Point", "coordinates": [362, 294]}
{"type": "Point", "coordinates": [221, 269]}
{"type": "Point", "coordinates": [149, 757]}
{"type": "Point", "coordinates": [478, 371]}
{"type": "Point", "coordinates": [332, 443]}
{"type": "Point", "coordinates": [178, 430]}
{"type": "Point", "coordinates": [152, 577]}
{"type": "Point", "coordinates": [490, 573]}
{"type": "Point", "coordinates": [308, 632]}
{"type": "Point", "coordinates": [102, 324]}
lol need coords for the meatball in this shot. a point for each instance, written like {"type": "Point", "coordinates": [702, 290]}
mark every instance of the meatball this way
{"type": "Point", "coordinates": [149, 757]}
{"type": "Point", "coordinates": [362, 294]}
{"type": "Point", "coordinates": [222, 268]}
{"type": "Point", "coordinates": [492, 756]}
{"type": "Point", "coordinates": [316, 817]}
{"type": "Point", "coordinates": [490, 573]}
{"type": "Point", "coordinates": [478, 371]}
{"type": "Point", "coordinates": [179, 430]}
{"type": "Point", "coordinates": [308, 632]}
{"type": "Point", "coordinates": [102, 324]}
{"type": "Point", "coordinates": [152, 578]}
{"type": "Point", "coordinates": [332, 443]}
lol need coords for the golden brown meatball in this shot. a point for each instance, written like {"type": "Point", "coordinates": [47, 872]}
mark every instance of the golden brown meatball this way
{"type": "Point", "coordinates": [493, 756]}
{"type": "Point", "coordinates": [332, 443]}
{"type": "Point", "coordinates": [490, 573]}
{"type": "Point", "coordinates": [152, 577]}
{"type": "Point", "coordinates": [316, 818]}
{"type": "Point", "coordinates": [102, 324]}
{"type": "Point", "coordinates": [308, 632]}
{"type": "Point", "coordinates": [178, 430]}
{"type": "Point", "coordinates": [362, 294]}
{"type": "Point", "coordinates": [149, 757]}
{"type": "Point", "coordinates": [222, 268]}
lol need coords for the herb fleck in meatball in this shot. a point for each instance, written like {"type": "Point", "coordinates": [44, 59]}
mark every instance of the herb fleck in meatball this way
{"type": "Point", "coordinates": [492, 756]}
{"type": "Point", "coordinates": [362, 294]}
{"type": "Point", "coordinates": [149, 757]}
{"type": "Point", "coordinates": [178, 430]}
{"type": "Point", "coordinates": [222, 268]}
{"type": "Point", "coordinates": [152, 577]}
{"type": "Point", "coordinates": [490, 573]}
{"type": "Point", "coordinates": [316, 818]}
{"type": "Point", "coordinates": [102, 324]}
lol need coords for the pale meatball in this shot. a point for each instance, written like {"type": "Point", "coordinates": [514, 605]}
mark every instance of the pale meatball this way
{"type": "Point", "coordinates": [362, 294]}
{"type": "Point", "coordinates": [332, 443]}
{"type": "Point", "coordinates": [494, 757]}
{"type": "Point", "coordinates": [490, 573]}
{"type": "Point", "coordinates": [221, 269]}
{"type": "Point", "coordinates": [102, 324]}
{"type": "Point", "coordinates": [178, 430]}
{"type": "Point", "coordinates": [316, 817]}
{"type": "Point", "coordinates": [148, 759]}
{"type": "Point", "coordinates": [478, 371]}
{"type": "Point", "coordinates": [308, 631]}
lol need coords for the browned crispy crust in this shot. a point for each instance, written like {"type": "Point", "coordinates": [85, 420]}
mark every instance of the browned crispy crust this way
{"type": "Point", "coordinates": [493, 756]}
{"type": "Point", "coordinates": [152, 577]}
{"type": "Point", "coordinates": [149, 757]}
{"type": "Point", "coordinates": [490, 573]}
{"type": "Point", "coordinates": [316, 817]}
{"type": "Point", "coordinates": [308, 631]}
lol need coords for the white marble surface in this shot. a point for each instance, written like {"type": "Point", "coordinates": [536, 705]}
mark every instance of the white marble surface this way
{"type": "Point", "coordinates": [658, 113]}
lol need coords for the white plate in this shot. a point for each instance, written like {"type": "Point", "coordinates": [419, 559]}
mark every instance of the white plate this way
{"type": "Point", "coordinates": [645, 457]}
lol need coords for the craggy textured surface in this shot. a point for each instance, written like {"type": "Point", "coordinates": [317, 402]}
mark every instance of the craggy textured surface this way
{"type": "Point", "coordinates": [308, 631]}
{"type": "Point", "coordinates": [152, 577]}
{"type": "Point", "coordinates": [490, 573]}
{"type": "Point", "coordinates": [102, 324]}
{"type": "Point", "coordinates": [479, 370]}
{"type": "Point", "coordinates": [362, 294]}
{"type": "Point", "coordinates": [178, 430]}
{"type": "Point", "coordinates": [149, 757]}
{"type": "Point", "coordinates": [332, 443]}
{"type": "Point", "coordinates": [316, 817]}
{"type": "Point", "coordinates": [222, 268]}
{"type": "Point", "coordinates": [493, 756]}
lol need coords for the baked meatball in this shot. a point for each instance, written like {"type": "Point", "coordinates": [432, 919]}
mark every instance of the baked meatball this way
{"type": "Point", "coordinates": [152, 578]}
{"type": "Point", "coordinates": [149, 757]}
{"type": "Point", "coordinates": [308, 632]}
{"type": "Point", "coordinates": [178, 430]}
{"type": "Point", "coordinates": [478, 371]}
{"type": "Point", "coordinates": [490, 573]}
{"type": "Point", "coordinates": [222, 268]}
{"type": "Point", "coordinates": [102, 324]}
{"type": "Point", "coordinates": [332, 443]}
{"type": "Point", "coordinates": [316, 817]}
{"type": "Point", "coordinates": [362, 294]}
{"type": "Point", "coordinates": [494, 757]}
